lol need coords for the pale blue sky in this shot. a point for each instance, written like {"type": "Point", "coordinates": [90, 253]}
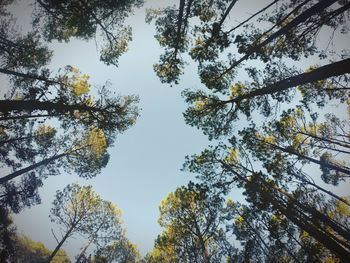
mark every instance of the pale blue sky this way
{"type": "Point", "coordinates": [146, 160]}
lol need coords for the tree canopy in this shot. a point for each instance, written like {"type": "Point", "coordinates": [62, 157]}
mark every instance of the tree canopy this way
{"type": "Point", "coordinates": [272, 97]}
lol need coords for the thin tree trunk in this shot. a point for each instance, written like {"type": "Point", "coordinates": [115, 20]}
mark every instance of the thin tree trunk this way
{"type": "Point", "coordinates": [30, 167]}
{"type": "Point", "coordinates": [322, 189]}
{"type": "Point", "coordinates": [259, 237]}
{"type": "Point", "coordinates": [29, 76]}
{"type": "Point", "coordinates": [252, 16]}
{"type": "Point", "coordinates": [204, 253]}
{"type": "Point", "coordinates": [319, 7]}
{"type": "Point", "coordinates": [331, 70]}
{"type": "Point", "coordinates": [304, 224]}
{"type": "Point", "coordinates": [227, 11]}
{"type": "Point", "coordinates": [310, 159]}
{"type": "Point", "coordinates": [25, 117]}
{"type": "Point", "coordinates": [331, 141]}
{"type": "Point", "coordinates": [84, 249]}
{"type": "Point", "coordinates": [178, 26]}
{"type": "Point", "coordinates": [59, 245]}
{"type": "Point", "coordinates": [321, 237]}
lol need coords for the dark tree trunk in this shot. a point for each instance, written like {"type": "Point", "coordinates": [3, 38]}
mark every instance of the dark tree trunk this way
{"type": "Point", "coordinates": [317, 8]}
{"type": "Point", "coordinates": [53, 108]}
{"type": "Point", "coordinates": [30, 167]}
{"type": "Point", "coordinates": [59, 245]}
{"type": "Point", "coordinates": [29, 76]}
{"type": "Point", "coordinates": [321, 73]}
{"type": "Point", "coordinates": [340, 169]}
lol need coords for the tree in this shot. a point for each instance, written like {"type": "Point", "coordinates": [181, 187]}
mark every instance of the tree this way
{"type": "Point", "coordinates": [292, 22]}
{"type": "Point", "coordinates": [7, 235]}
{"type": "Point", "coordinates": [21, 52]}
{"type": "Point", "coordinates": [120, 251]}
{"type": "Point", "coordinates": [79, 210]}
{"type": "Point", "coordinates": [193, 218]}
{"type": "Point", "coordinates": [307, 211]}
{"type": "Point", "coordinates": [172, 26]}
{"type": "Point", "coordinates": [246, 98]}
{"type": "Point", "coordinates": [28, 144]}
{"type": "Point", "coordinates": [85, 20]}
{"type": "Point", "coordinates": [19, 248]}
{"type": "Point", "coordinates": [72, 101]}
{"type": "Point", "coordinates": [86, 157]}
{"type": "Point", "coordinates": [31, 251]}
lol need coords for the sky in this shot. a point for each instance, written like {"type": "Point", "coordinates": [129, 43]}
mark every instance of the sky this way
{"type": "Point", "coordinates": [146, 159]}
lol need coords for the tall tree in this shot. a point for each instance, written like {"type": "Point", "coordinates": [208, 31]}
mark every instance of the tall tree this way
{"type": "Point", "coordinates": [29, 145]}
{"type": "Point", "coordinates": [79, 210]}
{"type": "Point", "coordinates": [87, 19]}
{"type": "Point", "coordinates": [300, 206]}
{"type": "Point", "coordinates": [193, 219]}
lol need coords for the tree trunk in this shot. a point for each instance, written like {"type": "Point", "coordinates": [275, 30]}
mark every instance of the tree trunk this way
{"type": "Point", "coordinates": [331, 141]}
{"type": "Point", "coordinates": [319, 235]}
{"type": "Point", "coordinates": [84, 250]}
{"type": "Point", "coordinates": [227, 11]}
{"type": "Point", "coordinates": [252, 16]}
{"type": "Point", "coordinates": [321, 189]}
{"type": "Point", "coordinates": [331, 242]}
{"type": "Point", "coordinates": [300, 156]}
{"type": "Point", "coordinates": [319, 7]}
{"type": "Point", "coordinates": [30, 167]}
{"type": "Point", "coordinates": [25, 117]}
{"type": "Point", "coordinates": [321, 73]}
{"type": "Point", "coordinates": [59, 245]}
{"type": "Point", "coordinates": [29, 76]}
{"type": "Point", "coordinates": [52, 107]}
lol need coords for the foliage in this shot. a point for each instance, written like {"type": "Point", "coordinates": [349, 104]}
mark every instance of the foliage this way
{"type": "Point", "coordinates": [63, 20]}
{"type": "Point", "coordinates": [79, 210]}
{"type": "Point", "coordinates": [193, 219]}
{"type": "Point", "coordinates": [31, 251]}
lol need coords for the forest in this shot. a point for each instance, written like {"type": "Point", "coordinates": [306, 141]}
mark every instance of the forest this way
{"type": "Point", "coordinates": [177, 131]}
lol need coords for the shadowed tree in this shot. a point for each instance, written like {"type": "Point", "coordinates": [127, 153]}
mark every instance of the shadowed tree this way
{"type": "Point", "coordinates": [86, 157]}
{"type": "Point", "coordinates": [29, 145]}
{"type": "Point", "coordinates": [31, 251]}
{"type": "Point", "coordinates": [85, 20]}
{"type": "Point", "coordinates": [79, 210]}
{"type": "Point", "coordinates": [193, 219]}
{"type": "Point", "coordinates": [120, 251]}
{"type": "Point", "coordinates": [307, 211]}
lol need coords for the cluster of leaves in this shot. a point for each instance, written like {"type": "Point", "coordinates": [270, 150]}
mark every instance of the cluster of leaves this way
{"type": "Point", "coordinates": [62, 20]}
